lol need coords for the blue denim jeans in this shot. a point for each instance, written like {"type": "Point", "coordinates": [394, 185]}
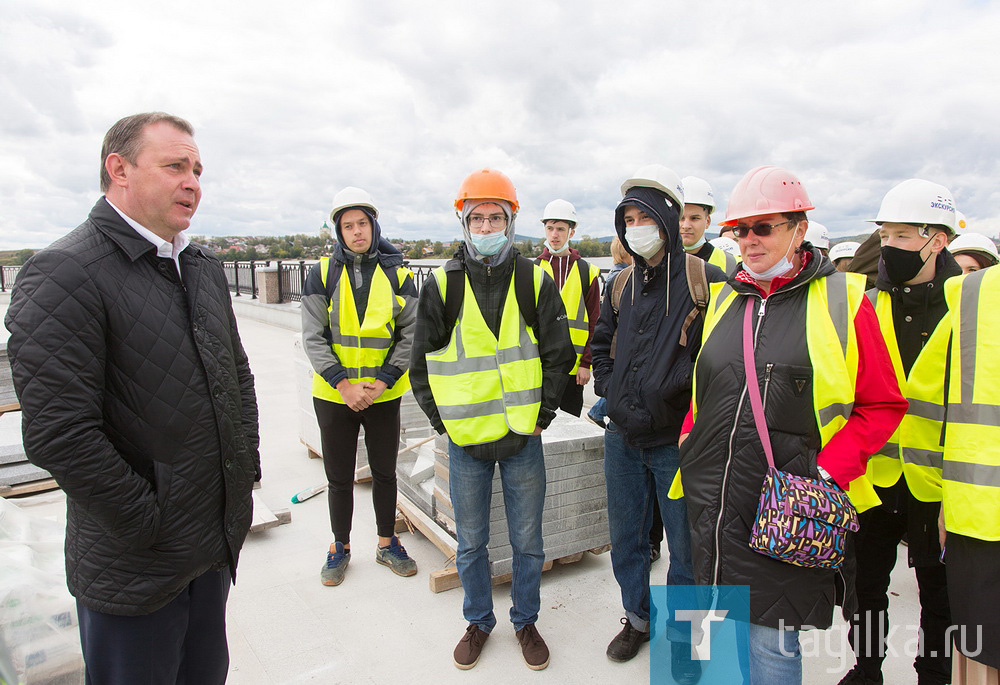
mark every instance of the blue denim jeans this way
{"type": "Point", "coordinates": [768, 655]}
{"type": "Point", "coordinates": [634, 477]}
{"type": "Point", "coordinates": [471, 482]}
{"type": "Point", "coordinates": [599, 412]}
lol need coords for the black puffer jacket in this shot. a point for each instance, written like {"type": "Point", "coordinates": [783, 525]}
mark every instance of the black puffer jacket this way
{"type": "Point", "coordinates": [137, 396]}
{"type": "Point", "coordinates": [648, 384]}
{"type": "Point", "coordinates": [723, 464]}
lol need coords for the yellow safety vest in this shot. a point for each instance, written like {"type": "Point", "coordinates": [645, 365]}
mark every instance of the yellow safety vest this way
{"type": "Point", "coordinates": [723, 260]}
{"type": "Point", "coordinates": [576, 306]}
{"type": "Point", "coordinates": [831, 307]}
{"type": "Point", "coordinates": [362, 346]}
{"type": "Point", "coordinates": [485, 386]}
{"type": "Point", "coordinates": [971, 473]}
{"type": "Point", "coordinates": [922, 422]}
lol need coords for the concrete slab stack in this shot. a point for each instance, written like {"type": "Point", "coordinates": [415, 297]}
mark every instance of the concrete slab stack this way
{"type": "Point", "coordinates": [575, 518]}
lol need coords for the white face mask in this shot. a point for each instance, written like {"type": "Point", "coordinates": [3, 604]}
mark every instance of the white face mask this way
{"type": "Point", "coordinates": [564, 250]}
{"type": "Point", "coordinates": [645, 241]}
{"type": "Point", "coordinates": [782, 267]}
{"type": "Point", "coordinates": [697, 245]}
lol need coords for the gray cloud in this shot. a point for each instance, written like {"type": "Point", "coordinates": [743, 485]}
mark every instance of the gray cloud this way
{"type": "Point", "coordinates": [292, 103]}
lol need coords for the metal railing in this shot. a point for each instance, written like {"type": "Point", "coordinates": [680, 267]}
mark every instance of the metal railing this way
{"type": "Point", "coordinates": [7, 276]}
{"type": "Point", "coordinates": [242, 277]}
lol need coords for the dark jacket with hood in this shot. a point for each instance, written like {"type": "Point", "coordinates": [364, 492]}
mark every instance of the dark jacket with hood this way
{"type": "Point", "coordinates": [490, 284]}
{"type": "Point", "coordinates": [137, 396]}
{"type": "Point", "coordinates": [916, 311]}
{"type": "Point", "coordinates": [723, 463]}
{"type": "Point", "coordinates": [316, 299]}
{"type": "Point", "coordinates": [648, 384]}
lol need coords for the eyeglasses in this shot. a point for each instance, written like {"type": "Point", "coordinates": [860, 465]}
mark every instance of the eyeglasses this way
{"type": "Point", "coordinates": [762, 229]}
{"type": "Point", "coordinates": [496, 221]}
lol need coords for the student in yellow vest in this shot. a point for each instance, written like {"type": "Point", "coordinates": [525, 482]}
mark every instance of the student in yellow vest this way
{"type": "Point", "coordinates": [916, 220]}
{"type": "Point", "coordinates": [699, 203]}
{"type": "Point", "coordinates": [491, 356]}
{"type": "Point", "coordinates": [969, 481]}
{"type": "Point", "coordinates": [580, 286]}
{"type": "Point", "coordinates": [358, 310]}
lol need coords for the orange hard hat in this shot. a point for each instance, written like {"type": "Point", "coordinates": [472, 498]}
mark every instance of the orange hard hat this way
{"type": "Point", "coordinates": [486, 184]}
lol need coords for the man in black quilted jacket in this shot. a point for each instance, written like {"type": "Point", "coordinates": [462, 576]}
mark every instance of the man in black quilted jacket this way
{"type": "Point", "coordinates": [137, 397]}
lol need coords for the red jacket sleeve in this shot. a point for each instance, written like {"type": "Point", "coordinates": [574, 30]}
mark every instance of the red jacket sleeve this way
{"type": "Point", "coordinates": [592, 300]}
{"type": "Point", "coordinates": [879, 405]}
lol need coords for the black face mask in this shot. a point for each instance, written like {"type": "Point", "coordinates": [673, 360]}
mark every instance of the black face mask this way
{"type": "Point", "coordinates": [902, 265]}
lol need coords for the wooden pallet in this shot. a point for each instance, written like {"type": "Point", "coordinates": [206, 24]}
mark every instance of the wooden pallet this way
{"type": "Point", "coordinates": [447, 578]}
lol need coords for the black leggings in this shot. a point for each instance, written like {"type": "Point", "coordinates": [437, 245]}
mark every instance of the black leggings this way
{"type": "Point", "coordinates": [339, 426]}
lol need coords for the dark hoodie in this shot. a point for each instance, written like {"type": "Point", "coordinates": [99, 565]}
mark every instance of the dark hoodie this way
{"type": "Point", "coordinates": [316, 302]}
{"type": "Point", "coordinates": [648, 384]}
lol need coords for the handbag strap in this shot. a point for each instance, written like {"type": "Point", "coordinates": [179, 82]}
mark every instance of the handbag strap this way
{"type": "Point", "coordinates": [753, 388]}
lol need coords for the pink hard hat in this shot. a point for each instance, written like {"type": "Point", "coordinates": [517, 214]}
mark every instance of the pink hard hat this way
{"type": "Point", "coordinates": [766, 190]}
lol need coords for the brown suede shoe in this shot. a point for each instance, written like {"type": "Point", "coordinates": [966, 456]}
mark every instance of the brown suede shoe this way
{"type": "Point", "coordinates": [533, 647]}
{"type": "Point", "coordinates": [470, 647]}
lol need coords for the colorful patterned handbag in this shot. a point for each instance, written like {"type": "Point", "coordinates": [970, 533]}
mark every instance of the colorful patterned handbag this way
{"type": "Point", "coordinates": [800, 520]}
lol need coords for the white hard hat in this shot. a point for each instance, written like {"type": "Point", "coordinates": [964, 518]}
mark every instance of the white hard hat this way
{"type": "Point", "coordinates": [559, 210]}
{"type": "Point", "coordinates": [843, 250]}
{"type": "Point", "coordinates": [818, 235]}
{"type": "Point", "coordinates": [916, 201]}
{"type": "Point", "coordinates": [352, 197]}
{"type": "Point", "coordinates": [659, 177]}
{"type": "Point", "coordinates": [698, 192]}
{"type": "Point", "coordinates": [975, 242]}
{"type": "Point", "coordinates": [960, 223]}
{"type": "Point", "coordinates": [727, 245]}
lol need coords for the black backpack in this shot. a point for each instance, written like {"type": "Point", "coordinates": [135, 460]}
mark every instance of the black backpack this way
{"type": "Point", "coordinates": [524, 291]}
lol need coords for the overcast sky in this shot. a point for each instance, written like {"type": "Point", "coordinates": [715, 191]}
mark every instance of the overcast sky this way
{"type": "Point", "coordinates": [293, 101]}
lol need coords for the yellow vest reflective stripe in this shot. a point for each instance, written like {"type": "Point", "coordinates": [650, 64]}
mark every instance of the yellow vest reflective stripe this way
{"type": "Point", "coordinates": [920, 431]}
{"type": "Point", "coordinates": [832, 305]}
{"type": "Point", "coordinates": [362, 345]}
{"type": "Point", "coordinates": [576, 306]}
{"type": "Point", "coordinates": [485, 386]}
{"type": "Point", "coordinates": [971, 469]}
{"type": "Point", "coordinates": [723, 260]}
{"type": "Point", "coordinates": [884, 468]}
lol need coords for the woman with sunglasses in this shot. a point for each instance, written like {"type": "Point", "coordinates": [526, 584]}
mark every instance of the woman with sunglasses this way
{"type": "Point", "coordinates": [829, 398]}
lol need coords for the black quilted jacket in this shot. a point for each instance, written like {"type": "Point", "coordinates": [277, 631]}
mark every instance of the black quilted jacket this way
{"type": "Point", "coordinates": [137, 396]}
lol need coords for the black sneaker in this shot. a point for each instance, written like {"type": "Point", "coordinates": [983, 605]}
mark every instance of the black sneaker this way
{"type": "Point", "coordinates": [857, 676]}
{"type": "Point", "coordinates": [683, 668]}
{"type": "Point", "coordinates": [627, 643]}
{"type": "Point", "coordinates": [654, 554]}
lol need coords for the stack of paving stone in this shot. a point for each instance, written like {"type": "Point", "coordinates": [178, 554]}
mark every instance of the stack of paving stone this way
{"type": "Point", "coordinates": [575, 518]}
{"type": "Point", "coordinates": [413, 421]}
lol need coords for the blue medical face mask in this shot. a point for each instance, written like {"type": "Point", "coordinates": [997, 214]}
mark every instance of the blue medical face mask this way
{"type": "Point", "coordinates": [489, 244]}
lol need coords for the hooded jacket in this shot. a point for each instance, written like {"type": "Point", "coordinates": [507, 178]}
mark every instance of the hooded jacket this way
{"type": "Point", "coordinates": [137, 397]}
{"type": "Point", "coordinates": [316, 298]}
{"type": "Point", "coordinates": [648, 384]}
{"type": "Point", "coordinates": [490, 284]}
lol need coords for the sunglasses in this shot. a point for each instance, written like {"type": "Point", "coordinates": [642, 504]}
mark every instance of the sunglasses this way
{"type": "Point", "coordinates": [762, 229]}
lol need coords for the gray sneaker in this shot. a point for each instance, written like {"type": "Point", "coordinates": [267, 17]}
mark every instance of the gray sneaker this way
{"type": "Point", "coordinates": [337, 560]}
{"type": "Point", "coordinates": [396, 558]}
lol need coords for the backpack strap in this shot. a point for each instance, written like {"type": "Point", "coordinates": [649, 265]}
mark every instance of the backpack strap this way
{"type": "Point", "coordinates": [454, 296]}
{"type": "Point", "coordinates": [617, 288]}
{"type": "Point", "coordinates": [584, 268]}
{"type": "Point", "coordinates": [524, 290]}
{"type": "Point", "coordinates": [697, 281]}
